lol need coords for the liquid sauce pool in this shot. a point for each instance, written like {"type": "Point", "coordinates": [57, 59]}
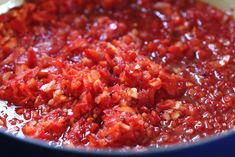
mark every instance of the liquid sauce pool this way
{"type": "Point", "coordinates": [115, 73]}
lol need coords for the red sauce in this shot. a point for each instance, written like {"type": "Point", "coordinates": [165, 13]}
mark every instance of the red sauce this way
{"type": "Point", "coordinates": [114, 74]}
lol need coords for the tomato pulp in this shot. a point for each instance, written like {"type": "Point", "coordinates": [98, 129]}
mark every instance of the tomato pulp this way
{"type": "Point", "coordinates": [115, 73]}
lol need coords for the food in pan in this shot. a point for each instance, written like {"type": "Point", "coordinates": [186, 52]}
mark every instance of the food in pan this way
{"type": "Point", "coordinates": [116, 73]}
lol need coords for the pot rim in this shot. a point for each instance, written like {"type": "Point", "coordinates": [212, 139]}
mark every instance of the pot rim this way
{"type": "Point", "coordinates": [123, 152]}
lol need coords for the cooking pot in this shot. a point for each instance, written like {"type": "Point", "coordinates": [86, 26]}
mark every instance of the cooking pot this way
{"type": "Point", "coordinates": [216, 146]}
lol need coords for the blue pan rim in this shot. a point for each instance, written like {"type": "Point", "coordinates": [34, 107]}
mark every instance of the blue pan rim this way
{"type": "Point", "coordinates": [118, 152]}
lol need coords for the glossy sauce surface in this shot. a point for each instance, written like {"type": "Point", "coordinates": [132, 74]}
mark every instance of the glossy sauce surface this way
{"type": "Point", "coordinates": [115, 73]}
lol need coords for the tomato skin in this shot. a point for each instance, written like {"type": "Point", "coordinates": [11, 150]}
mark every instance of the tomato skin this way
{"type": "Point", "coordinates": [32, 58]}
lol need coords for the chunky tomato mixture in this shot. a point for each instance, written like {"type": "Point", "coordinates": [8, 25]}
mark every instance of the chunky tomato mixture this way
{"type": "Point", "coordinates": [117, 73]}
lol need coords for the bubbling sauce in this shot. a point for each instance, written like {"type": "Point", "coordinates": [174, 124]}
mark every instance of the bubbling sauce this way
{"type": "Point", "coordinates": [115, 73]}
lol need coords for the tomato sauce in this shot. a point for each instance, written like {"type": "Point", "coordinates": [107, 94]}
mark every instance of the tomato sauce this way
{"type": "Point", "coordinates": [115, 73]}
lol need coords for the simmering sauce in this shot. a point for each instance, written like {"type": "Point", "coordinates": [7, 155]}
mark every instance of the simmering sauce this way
{"type": "Point", "coordinates": [117, 73]}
